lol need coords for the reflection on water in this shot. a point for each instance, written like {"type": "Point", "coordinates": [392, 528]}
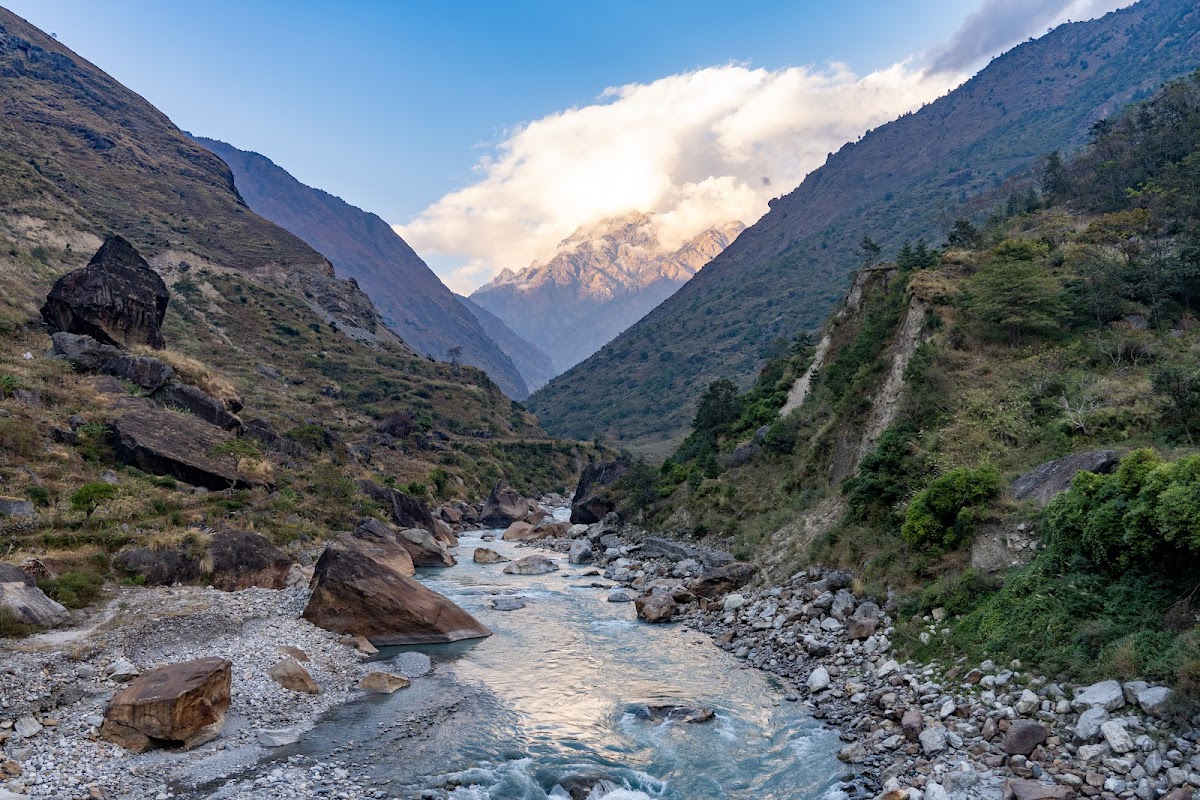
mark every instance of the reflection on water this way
{"type": "Point", "coordinates": [559, 687]}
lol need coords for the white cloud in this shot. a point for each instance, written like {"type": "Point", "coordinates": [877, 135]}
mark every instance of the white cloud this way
{"type": "Point", "coordinates": [699, 149]}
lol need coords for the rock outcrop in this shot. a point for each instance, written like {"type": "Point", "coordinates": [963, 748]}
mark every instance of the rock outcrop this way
{"type": "Point", "coordinates": [197, 402]}
{"type": "Point", "coordinates": [179, 705]}
{"type": "Point", "coordinates": [88, 355]}
{"type": "Point", "coordinates": [237, 560]}
{"type": "Point", "coordinates": [1042, 483]}
{"type": "Point", "coordinates": [354, 594]}
{"type": "Point", "coordinates": [25, 602]}
{"type": "Point", "coordinates": [503, 506]}
{"type": "Point", "coordinates": [406, 511]}
{"type": "Point", "coordinates": [117, 298]}
{"type": "Point", "coordinates": [591, 501]}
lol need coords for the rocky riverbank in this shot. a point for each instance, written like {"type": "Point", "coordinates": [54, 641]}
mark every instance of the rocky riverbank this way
{"type": "Point", "coordinates": [916, 731]}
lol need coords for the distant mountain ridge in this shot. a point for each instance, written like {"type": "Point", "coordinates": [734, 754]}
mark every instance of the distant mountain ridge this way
{"type": "Point", "coordinates": [535, 366]}
{"type": "Point", "coordinates": [411, 298]}
{"type": "Point", "coordinates": [909, 178]}
{"type": "Point", "coordinates": [603, 278]}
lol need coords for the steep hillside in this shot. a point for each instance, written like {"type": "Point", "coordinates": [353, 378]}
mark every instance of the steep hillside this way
{"type": "Point", "coordinates": [412, 300]}
{"type": "Point", "coordinates": [930, 439]}
{"type": "Point", "coordinates": [603, 278]}
{"type": "Point", "coordinates": [535, 366]}
{"type": "Point", "coordinates": [910, 178]}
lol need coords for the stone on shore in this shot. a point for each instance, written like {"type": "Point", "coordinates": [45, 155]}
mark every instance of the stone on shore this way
{"type": "Point", "coordinates": [381, 544]}
{"type": "Point", "coordinates": [522, 532]}
{"type": "Point", "coordinates": [179, 705]}
{"type": "Point", "coordinates": [506, 604]}
{"type": "Point", "coordinates": [1022, 789]}
{"type": "Point", "coordinates": [912, 724]}
{"type": "Point", "coordinates": [383, 682]}
{"type": "Point", "coordinates": [818, 680]}
{"type": "Point", "coordinates": [289, 674]}
{"type": "Point", "coordinates": [675, 714]}
{"type": "Point", "coordinates": [277, 738]}
{"type": "Point", "coordinates": [484, 555]}
{"type": "Point", "coordinates": [356, 595]}
{"type": "Point", "coordinates": [660, 607]}
{"type": "Point", "coordinates": [503, 506]}
{"type": "Point", "coordinates": [531, 565]}
{"type": "Point", "coordinates": [425, 550]}
{"type": "Point", "coordinates": [1023, 737]}
{"type": "Point", "coordinates": [621, 595]}
{"type": "Point", "coordinates": [25, 602]}
{"type": "Point", "coordinates": [722, 580]}
{"type": "Point", "coordinates": [580, 552]}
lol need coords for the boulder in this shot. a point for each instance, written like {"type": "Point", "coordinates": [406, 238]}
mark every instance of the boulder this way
{"type": "Point", "coordinates": [354, 594]}
{"type": "Point", "coordinates": [863, 622]}
{"type": "Point", "coordinates": [14, 507]}
{"type": "Point", "coordinates": [656, 607]}
{"type": "Point", "coordinates": [1022, 789]}
{"type": "Point", "coordinates": [674, 714]}
{"type": "Point", "coordinates": [88, 355]}
{"type": "Point", "coordinates": [531, 565]}
{"type": "Point", "coordinates": [289, 674]}
{"type": "Point", "coordinates": [621, 595]}
{"type": "Point", "coordinates": [933, 740]}
{"type": "Point", "coordinates": [818, 680]}
{"type": "Point", "coordinates": [582, 787]}
{"type": "Point", "coordinates": [117, 298]}
{"type": "Point", "coordinates": [1117, 737]}
{"type": "Point", "coordinates": [721, 580]}
{"type": "Point", "coordinates": [1023, 737]}
{"type": "Point", "coordinates": [191, 399]}
{"type": "Point", "coordinates": [379, 543]}
{"type": "Point", "coordinates": [1105, 694]}
{"type": "Point", "coordinates": [406, 511]}
{"type": "Point", "coordinates": [444, 533]}
{"type": "Point", "coordinates": [912, 723]}
{"type": "Point", "coordinates": [503, 506]}
{"type": "Point", "coordinates": [1087, 728]}
{"type": "Point", "coordinates": [28, 605]}
{"type": "Point", "coordinates": [592, 501]}
{"type": "Point", "coordinates": [181, 446]}
{"type": "Point", "coordinates": [506, 604]}
{"type": "Point", "coordinates": [485, 556]}
{"type": "Point", "coordinates": [277, 738]}
{"type": "Point", "coordinates": [522, 532]}
{"type": "Point", "coordinates": [1042, 483]}
{"type": "Point", "coordinates": [449, 514]}
{"type": "Point", "coordinates": [1155, 700]}
{"type": "Point", "coordinates": [425, 550]}
{"type": "Point", "coordinates": [180, 705]}
{"type": "Point", "coordinates": [580, 552]}
{"type": "Point", "coordinates": [383, 682]}
{"type": "Point", "coordinates": [551, 529]}
{"type": "Point", "coordinates": [238, 559]}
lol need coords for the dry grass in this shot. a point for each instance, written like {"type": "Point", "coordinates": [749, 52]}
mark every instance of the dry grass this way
{"type": "Point", "coordinates": [197, 373]}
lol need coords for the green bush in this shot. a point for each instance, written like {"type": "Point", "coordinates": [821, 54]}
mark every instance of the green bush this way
{"type": "Point", "coordinates": [90, 496]}
{"type": "Point", "coordinates": [73, 589]}
{"type": "Point", "coordinates": [946, 510]}
{"type": "Point", "coordinates": [38, 495]}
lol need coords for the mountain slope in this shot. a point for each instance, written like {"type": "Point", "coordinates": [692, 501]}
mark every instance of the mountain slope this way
{"type": "Point", "coordinates": [909, 178]}
{"type": "Point", "coordinates": [535, 366]}
{"type": "Point", "coordinates": [412, 300]}
{"type": "Point", "coordinates": [603, 278]}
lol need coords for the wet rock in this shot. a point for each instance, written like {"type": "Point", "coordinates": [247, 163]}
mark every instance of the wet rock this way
{"type": "Point", "coordinates": [503, 506]}
{"type": "Point", "coordinates": [197, 402]}
{"type": "Point", "coordinates": [592, 500]}
{"type": "Point", "coordinates": [180, 705]}
{"type": "Point", "coordinates": [1022, 737]}
{"type": "Point", "coordinates": [484, 555]}
{"type": "Point", "coordinates": [621, 595]}
{"type": "Point", "coordinates": [531, 565]}
{"type": "Point", "coordinates": [383, 682]}
{"type": "Point", "coordinates": [381, 544]}
{"type": "Point", "coordinates": [88, 355]}
{"type": "Point", "coordinates": [289, 674]}
{"type": "Point", "coordinates": [670, 713]}
{"type": "Point", "coordinates": [1042, 483]}
{"type": "Point", "coordinates": [506, 604]}
{"type": "Point", "coordinates": [353, 594]}
{"type": "Point", "coordinates": [28, 605]}
{"type": "Point", "coordinates": [656, 607]}
{"type": "Point", "coordinates": [722, 580]}
{"type": "Point", "coordinates": [583, 787]}
{"type": "Point", "coordinates": [117, 298]}
{"type": "Point", "coordinates": [580, 552]}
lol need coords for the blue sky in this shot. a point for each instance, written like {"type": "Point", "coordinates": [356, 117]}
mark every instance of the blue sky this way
{"type": "Point", "coordinates": [435, 114]}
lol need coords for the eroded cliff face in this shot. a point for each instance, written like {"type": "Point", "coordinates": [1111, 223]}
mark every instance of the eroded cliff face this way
{"type": "Point", "coordinates": [603, 278]}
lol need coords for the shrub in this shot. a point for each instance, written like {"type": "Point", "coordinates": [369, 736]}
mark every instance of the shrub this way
{"type": "Point", "coordinates": [90, 496]}
{"type": "Point", "coordinates": [73, 589]}
{"type": "Point", "coordinates": [38, 495]}
{"type": "Point", "coordinates": [10, 628]}
{"type": "Point", "coordinates": [946, 510]}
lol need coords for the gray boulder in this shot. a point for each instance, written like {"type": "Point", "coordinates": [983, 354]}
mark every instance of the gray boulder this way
{"type": "Point", "coordinates": [581, 552]}
{"type": "Point", "coordinates": [189, 398]}
{"type": "Point", "coordinates": [1042, 483]}
{"type": "Point", "coordinates": [88, 355]}
{"type": "Point", "coordinates": [531, 565]}
{"type": "Point", "coordinates": [28, 605]}
{"type": "Point", "coordinates": [592, 502]}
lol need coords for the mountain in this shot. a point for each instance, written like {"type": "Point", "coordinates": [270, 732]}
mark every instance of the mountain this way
{"type": "Point", "coordinates": [413, 301]}
{"type": "Point", "coordinates": [907, 179]}
{"type": "Point", "coordinates": [255, 316]}
{"type": "Point", "coordinates": [602, 279]}
{"type": "Point", "coordinates": [535, 366]}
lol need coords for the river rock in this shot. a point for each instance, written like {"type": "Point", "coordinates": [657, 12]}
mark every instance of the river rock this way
{"type": "Point", "coordinates": [289, 674]}
{"type": "Point", "coordinates": [503, 506]}
{"type": "Point", "coordinates": [1023, 737]}
{"type": "Point", "coordinates": [198, 402]}
{"type": "Point", "coordinates": [1155, 700]}
{"type": "Point", "coordinates": [180, 446]}
{"type": "Point", "coordinates": [1042, 483]}
{"type": "Point", "coordinates": [116, 299]}
{"type": "Point", "coordinates": [621, 595]}
{"type": "Point", "coordinates": [912, 723]}
{"type": "Point", "coordinates": [721, 580]}
{"type": "Point", "coordinates": [583, 787]}
{"type": "Point", "coordinates": [659, 607]}
{"type": "Point", "coordinates": [354, 594]}
{"type": "Point", "coordinates": [522, 532]}
{"type": "Point", "coordinates": [675, 714]}
{"type": "Point", "coordinates": [933, 740]}
{"type": "Point", "coordinates": [1117, 737]}
{"type": "Point", "coordinates": [381, 544]}
{"type": "Point", "coordinates": [551, 528]}
{"type": "Point", "coordinates": [485, 555]}
{"type": "Point", "coordinates": [406, 511]}
{"type": "Point", "coordinates": [531, 565]}
{"type": "Point", "coordinates": [28, 605]}
{"type": "Point", "coordinates": [592, 499]}
{"type": "Point", "coordinates": [444, 533]}
{"type": "Point", "coordinates": [1106, 694]}
{"type": "Point", "coordinates": [580, 552]}
{"type": "Point", "coordinates": [425, 550]}
{"type": "Point", "coordinates": [818, 680]}
{"type": "Point", "coordinates": [180, 705]}
{"type": "Point", "coordinates": [383, 682]}
{"type": "Point", "coordinates": [122, 670]}
{"type": "Point", "coordinates": [277, 738]}
{"type": "Point", "coordinates": [1021, 789]}
{"type": "Point", "coordinates": [506, 604]}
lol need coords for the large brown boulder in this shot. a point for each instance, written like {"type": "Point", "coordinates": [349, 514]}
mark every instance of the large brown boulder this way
{"type": "Point", "coordinates": [353, 594]}
{"type": "Point", "coordinates": [722, 580]}
{"type": "Point", "coordinates": [660, 607]}
{"type": "Point", "coordinates": [117, 298]}
{"type": "Point", "coordinates": [503, 506]}
{"type": "Point", "coordinates": [181, 446]}
{"type": "Point", "coordinates": [25, 602]}
{"type": "Point", "coordinates": [592, 499]}
{"type": "Point", "coordinates": [522, 532]}
{"type": "Point", "coordinates": [379, 542]}
{"type": "Point", "coordinates": [1042, 483]}
{"type": "Point", "coordinates": [425, 550]}
{"type": "Point", "coordinates": [1023, 737]}
{"type": "Point", "coordinates": [88, 355]}
{"type": "Point", "coordinates": [179, 705]}
{"type": "Point", "coordinates": [239, 560]}
{"type": "Point", "coordinates": [406, 511]}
